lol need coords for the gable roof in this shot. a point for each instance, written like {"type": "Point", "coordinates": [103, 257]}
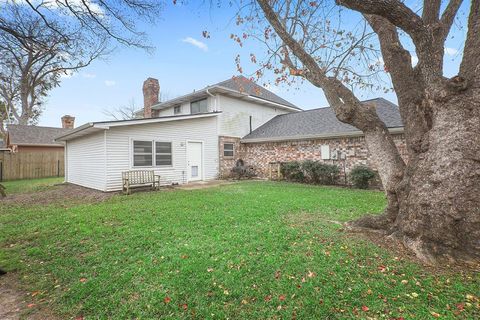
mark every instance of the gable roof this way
{"type": "Point", "coordinates": [33, 135]}
{"type": "Point", "coordinates": [242, 84]}
{"type": "Point", "coordinates": [320, 123]}
{"type": "Point", "coordinates": [239, 87]}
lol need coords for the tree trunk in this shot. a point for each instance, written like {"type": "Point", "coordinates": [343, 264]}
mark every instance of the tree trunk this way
{"type": "Point", "coordinates": [439, 199]}
{"type": "Point", "coordinates": [438, 209]}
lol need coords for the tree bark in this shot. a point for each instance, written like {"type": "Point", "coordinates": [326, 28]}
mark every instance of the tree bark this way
{"type": "Point", "coordinates": [439, 198]}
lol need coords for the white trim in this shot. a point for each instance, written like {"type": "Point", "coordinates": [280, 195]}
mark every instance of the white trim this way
{"type": "Point", "coordinates": [65, 163]}
{"type": "Point", "coordinates": [108, 124]}
{"type": "Point", "coordinates": [154, 165]}
{"type": "Point", "coordinates": [202, 178]}
{"type": "Point", "coordinates": [222, 90]}
{"type": "Point", "coordinates": [316, 136]}
{"type": "Point", "coordinates": [105, 153]}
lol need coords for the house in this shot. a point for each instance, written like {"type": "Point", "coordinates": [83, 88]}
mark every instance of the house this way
{"type": "Point", "coordinates": [28, 138]}
{"type": "Point", "coordinates": [180, 138]}
{"type": "Point", "coordinates": [316, 135]}
{"type": "Point", "coordinates": [201, 136]}
{"type": "Point", "coordinates": [32, 152]}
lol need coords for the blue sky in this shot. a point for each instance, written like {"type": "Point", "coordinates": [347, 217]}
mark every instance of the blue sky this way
{"type": "Point", "coordinates": [183, 61]}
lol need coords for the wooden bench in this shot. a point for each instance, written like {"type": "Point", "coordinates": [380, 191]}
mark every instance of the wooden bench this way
{"type": "Point", "coordinates": [139, 178]}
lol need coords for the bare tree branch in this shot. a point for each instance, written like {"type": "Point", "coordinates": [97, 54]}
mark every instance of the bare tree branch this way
{"type": "Point", "coordinates": [394, 11]}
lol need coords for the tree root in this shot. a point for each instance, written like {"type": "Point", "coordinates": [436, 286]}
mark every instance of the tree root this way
{"type": "Point", "coordinates": [381, 222]}
{"type": "Point", "coordinates": [427, 253]}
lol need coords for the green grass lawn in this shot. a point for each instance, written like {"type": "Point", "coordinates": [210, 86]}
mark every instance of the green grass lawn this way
{"type": "Point", "coordinates": [251, 250]}
{"type": "Point", "coordinates": [31, 185]}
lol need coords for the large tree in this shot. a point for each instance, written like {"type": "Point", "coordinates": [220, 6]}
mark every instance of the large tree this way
{"type": "Point", "coordinates": [114, 19]}
{"type": "Point", "coordinates": [433, 198]}
{"type": "Point", "coordinates": [31, 65]}
{"type": "Point", "coordinates": [41, 41]}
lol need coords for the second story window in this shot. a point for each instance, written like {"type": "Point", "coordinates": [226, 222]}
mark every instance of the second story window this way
{"type": "Point", "coordinates": [199, 106]}
{"type": "Point", "coordinates": [177, 110]}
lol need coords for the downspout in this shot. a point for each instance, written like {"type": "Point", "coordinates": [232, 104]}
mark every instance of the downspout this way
{"type": "Point", "coordinates": [214, 99]}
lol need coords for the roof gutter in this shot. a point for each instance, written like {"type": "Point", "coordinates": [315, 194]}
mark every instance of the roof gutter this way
{"type": "Point", "coordinates": [316, 136]}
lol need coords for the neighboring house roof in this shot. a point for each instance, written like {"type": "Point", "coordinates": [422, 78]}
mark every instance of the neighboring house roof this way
{"type": "Point", "coordinates": [239, 87]}
{"type": "Point", "coordinates": [320, 123]}
{"type": "Point", "coordinates": [93, 127]}
{"type": "Point", "coordinates": [24, 135]}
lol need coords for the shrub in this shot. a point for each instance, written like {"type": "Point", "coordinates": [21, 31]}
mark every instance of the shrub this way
{"type": "Point", "coordinates": [320, 172]}
{"type": "Point", "coordinates": [361, 176]}
{"type": "Point", "coordinates": [292, 171]}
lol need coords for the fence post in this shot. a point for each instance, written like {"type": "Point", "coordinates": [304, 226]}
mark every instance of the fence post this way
{"type": "Point", "coordinates": [1, 170]}
{"type": "Point", "coordinates": [58, 168]}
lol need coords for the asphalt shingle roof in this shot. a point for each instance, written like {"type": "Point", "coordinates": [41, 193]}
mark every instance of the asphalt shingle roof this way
{"type": "Point", "coordinates": [318, 122]}
{"type": "Point", "coordinates": [33, 135]}
{"type": "Point", "coordinates": [242, 84]}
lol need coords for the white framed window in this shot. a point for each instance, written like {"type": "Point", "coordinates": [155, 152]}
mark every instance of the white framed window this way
{"type": "Point", "coordinates": [228, 149]}
{"type": "Point", "coordinates": [199, 106]}
{"type": "Point", "coordinates": [163, 153]}
{"type": "Point", "coordinates": [325, 151]}
{"type": "Point", "coordinates": [150, 153]}
{"type": "Point", "coordinates": [142, 153]}
{"type": "Point", "coordinates": [177, 110]}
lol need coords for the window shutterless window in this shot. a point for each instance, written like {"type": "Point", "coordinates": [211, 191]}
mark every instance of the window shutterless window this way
{"type": "Point", "coordinates": [177, 110]}
{"type": "Point", "coordinates": [199, 106]}
{"type": "Point", "coordinates": [228, 149]}
{"type": "Point", "coordinates": [142, 153]}
{"type": "Point", "coordinates": [163, 153]}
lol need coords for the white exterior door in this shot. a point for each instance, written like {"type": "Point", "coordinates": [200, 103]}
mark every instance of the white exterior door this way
{"type": "Point", "coordinates": [194, 160]}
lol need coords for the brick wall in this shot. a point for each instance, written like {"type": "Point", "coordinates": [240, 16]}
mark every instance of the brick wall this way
{"type": "Point", "coordinates": [261, 155]}
{"type": "Point", "coordinates": [227, 163]}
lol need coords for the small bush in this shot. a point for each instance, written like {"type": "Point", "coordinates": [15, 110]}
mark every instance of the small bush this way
{"type": "Point", "coordinates": [321, 173]}
{"type": "Point", "coordinates": [361, 176]}
{"type": "Point", "coordinates": [292, 171]}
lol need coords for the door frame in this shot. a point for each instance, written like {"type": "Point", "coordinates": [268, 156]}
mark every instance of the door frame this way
{"type": "Point", "coordinates": [201, 178]}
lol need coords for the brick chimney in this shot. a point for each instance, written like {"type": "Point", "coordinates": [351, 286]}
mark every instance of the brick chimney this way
{"type": "Point", "coordinates": [151, 91]}
{"type": "Point", "coordinates": [68, 122]}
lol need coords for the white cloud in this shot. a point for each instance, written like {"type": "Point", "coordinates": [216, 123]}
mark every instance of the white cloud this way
{"type": "Point", "coordinates": [110, 83]}
{"type": "Point", "coordinates": [450, 51]}
{"type": "Point", "coordinates": [67, 74]}
{"type": "Point", "coordinates": [89, 75]}
{"type": "Point", "coordinates": [78, 5]}
{"type": "Point", "coordinates": [199, 44]}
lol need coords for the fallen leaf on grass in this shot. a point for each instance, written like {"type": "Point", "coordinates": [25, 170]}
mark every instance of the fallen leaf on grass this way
{"type": "Point", "coordinates": [167, 300]}
{"type": "Point", "coordinates": [365, 308]}
{"type": "Point", "coordinates": [277, 274]}
{"type": "Point", "coordinates": [30, 305]}
{"type": "Point", "coordinates": [434, 314]}
{"type": "Point", "coordinates": [210, 270]}
{"type": "Point", "coordinates": [281, 297]}
{"type": "Point", "coordinates": [83, 280]}
{"type": "Point", "coordinates": [268, 298]}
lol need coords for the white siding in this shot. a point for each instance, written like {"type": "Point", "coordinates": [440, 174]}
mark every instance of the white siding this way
{"type": "Point", "coordinates": [235, 116]}
{"type": "Point", "coordinates": [119, 150]}
{"type": "Point", "coordinates": [86, 161]}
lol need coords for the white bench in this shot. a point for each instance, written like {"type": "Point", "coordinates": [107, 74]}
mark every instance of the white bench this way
{"type": "Point", "coordinates": [139, 178]}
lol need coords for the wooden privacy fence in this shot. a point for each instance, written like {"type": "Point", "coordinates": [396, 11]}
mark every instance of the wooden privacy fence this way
{"type": "Point", "coordinates": [30, 165]}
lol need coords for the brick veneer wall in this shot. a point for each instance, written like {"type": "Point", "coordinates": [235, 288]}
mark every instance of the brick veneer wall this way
{"type": "Point", "coordinates": [260, 155]}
